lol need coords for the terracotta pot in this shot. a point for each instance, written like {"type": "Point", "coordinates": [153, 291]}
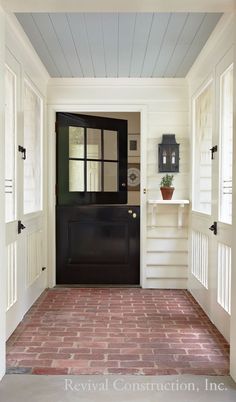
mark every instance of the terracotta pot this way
{"type": "Point", "coordinates": [167, 192]}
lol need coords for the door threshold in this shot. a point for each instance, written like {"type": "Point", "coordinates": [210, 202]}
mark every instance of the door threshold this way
{"type": "Point", "coordinates": [95, 286]}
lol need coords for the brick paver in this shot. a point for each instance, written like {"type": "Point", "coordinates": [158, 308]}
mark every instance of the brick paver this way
{"type": "Point", "coordinates": [117, 330]}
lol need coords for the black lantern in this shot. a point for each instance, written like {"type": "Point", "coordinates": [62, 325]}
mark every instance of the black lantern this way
{"type": "Point", "coordinates": [168, 152]}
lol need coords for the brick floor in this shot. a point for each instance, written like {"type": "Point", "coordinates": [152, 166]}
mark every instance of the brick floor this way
{"type": "Point", "coordinates": [117, 331]}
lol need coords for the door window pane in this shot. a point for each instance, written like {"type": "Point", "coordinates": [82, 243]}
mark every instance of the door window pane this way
{"type": "Point", "coordinates": [76, 175]}
{"type": "Point", "coordinates": [202, 155]}
{"type": "Point", "coordinates": [76, 142]}
{"type": "Point", "coordinates": [110, 176]}
{"type": "Point", "coordinates": [94, 144]}
{"type": "Point", "coordinates": [33, 145]}
{"type": "Point", "coordinates": [10, 145]}
{"type": "Point", "coordinates": [94, 175]}
{"type": "Point", "coordinates": [110, 145]}
{"type": "Point", "coordinates": [226, 145]}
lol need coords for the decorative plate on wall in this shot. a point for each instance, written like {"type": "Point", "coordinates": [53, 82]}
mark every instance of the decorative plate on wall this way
{"type": "Point", "coordinates": [133, 177]}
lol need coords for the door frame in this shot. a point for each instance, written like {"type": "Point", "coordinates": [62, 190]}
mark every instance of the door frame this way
{"type": "Point", "coordinates": [93, 108]}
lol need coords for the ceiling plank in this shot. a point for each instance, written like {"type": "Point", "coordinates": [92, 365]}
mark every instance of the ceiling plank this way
{"type": "Point", "coordinates": [45, 26]}
{"type": "Point", "coordinates": [159, 26]}
{"type": "Point", "coordinates": [96, 43]}
{"type": "Point", "coordinates": [126, 36]}
{"type": "Point", "coordinates": [110, 29]}
{"type": "Point", "coordinates": [141, 35]}
{"type": "Point", "coordinates": [80, 38]}
{"type": "Point", "coordinates": [174, 30]}
{"type": "Point", "coordinates": [63, 32]}
{"type": "Point", "coordinates": [39, 43]}
{"type": "Point", "coordinates": [184, 43]}
{"type": "Point", "coordinates": [199, 41]}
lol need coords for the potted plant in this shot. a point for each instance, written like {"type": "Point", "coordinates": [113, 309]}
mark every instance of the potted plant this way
{"type": "Point", "coordinates": [166, 186]}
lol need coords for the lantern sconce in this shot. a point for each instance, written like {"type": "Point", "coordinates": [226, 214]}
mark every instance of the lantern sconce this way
{"type": "Point", "coordinates": [168, 152]}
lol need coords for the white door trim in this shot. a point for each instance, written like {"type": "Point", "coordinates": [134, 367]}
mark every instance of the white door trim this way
{"type": "Point", "coordinates": [2, 201]}
{"type": "Point", "coordinates": [52, 109]}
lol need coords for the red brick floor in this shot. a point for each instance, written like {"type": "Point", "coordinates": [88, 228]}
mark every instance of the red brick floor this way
{"type": "Point", "coordinates": [117, 331]}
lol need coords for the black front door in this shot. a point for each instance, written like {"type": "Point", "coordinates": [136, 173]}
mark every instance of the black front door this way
{"type": "Point", "coordinates": [97, 233]}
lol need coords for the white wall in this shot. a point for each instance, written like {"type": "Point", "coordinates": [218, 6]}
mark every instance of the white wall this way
{"type": "Point", "coordinates": [219, 47]}
{"type": "Point", "coordinates": [2, 201]}
{"type": "Point", "coordinates": [166, 102]}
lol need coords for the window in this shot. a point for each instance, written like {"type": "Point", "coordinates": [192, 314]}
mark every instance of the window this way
{"type": "Point", "coordinates": [202, 155]}
{"type": "Point", "coordinates": [33, 145]}
{"type": "Point", "coordinates": [226, 145]}
{"type": "Point", "coordinates": [10, 145]}
{"type": "Point", "coordinates": [93, 160]}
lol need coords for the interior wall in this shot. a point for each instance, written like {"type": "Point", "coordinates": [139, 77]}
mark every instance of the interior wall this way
{"type": "Point", "coordinates": [166, 100]}
{"type": "Point", "coordinates": [2, 200]}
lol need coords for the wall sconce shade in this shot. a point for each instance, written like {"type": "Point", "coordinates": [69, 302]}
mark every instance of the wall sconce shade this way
{"type": "Point", "coordinates": [168, 153]}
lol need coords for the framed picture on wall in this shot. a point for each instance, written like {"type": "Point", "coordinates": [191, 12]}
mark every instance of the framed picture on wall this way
{"type": "Point", "coordinates": [133, 145]}
{"type": "Point", "coordinates": [133, 176]}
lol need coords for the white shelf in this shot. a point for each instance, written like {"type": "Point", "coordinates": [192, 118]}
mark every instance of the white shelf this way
{"type": "Point", "coordinates": [180, 203]}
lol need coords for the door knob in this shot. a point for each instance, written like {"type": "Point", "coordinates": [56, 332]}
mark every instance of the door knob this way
{"type": "Point", "coordinates": [213, 228]}
{"type": "Point", "coordinates": [134, 215]}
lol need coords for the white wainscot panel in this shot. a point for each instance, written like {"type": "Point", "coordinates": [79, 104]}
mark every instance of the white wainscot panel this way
{"type": "Point", "coordinates": [176, 244]}
{"type": "Point", "coordinates": [199, 266]}
{"type": "Point", "coordinates": [11, 275]}
{"type": "Point", "coordinates": [35, 253]}
{"type": "Point", "coordinates": [224, 277]}
{"type": "Point", "coordinates": [167, 258]}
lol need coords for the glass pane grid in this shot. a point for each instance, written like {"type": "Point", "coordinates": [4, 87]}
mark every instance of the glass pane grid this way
{"type": "Point", "coordinates": [93, 160]}
{"type": "Point", "coordinates": [10, 145]}
{"type": "Point", "coordinates": [226, 145]}
{"type": "Point", "coordinates": [33, 145]}
{"type": "Point", "coordinates": [202, 157]}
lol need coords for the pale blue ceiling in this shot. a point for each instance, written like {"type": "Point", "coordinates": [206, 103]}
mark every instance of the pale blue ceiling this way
{"type": "Point", "coordinates": [118, 45]}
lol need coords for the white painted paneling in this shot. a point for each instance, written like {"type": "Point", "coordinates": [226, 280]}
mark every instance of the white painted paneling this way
{"type": "Point", "coordinates": [11, 275]}
{"type": "Point", "coordinates": [167, 258]}
{"type": "Point", "coordinates": [200, 259]}
{"type": "Point", "coordinates": [163, 245]}
{"type": "Point", "coordinates": [224, 277]}
{"type": "Point", "coordinates": [173, 283]}
{"type": "Point", "coordinates": [35, 257]}
{"type": "Point", "coordinates": [171, 272]}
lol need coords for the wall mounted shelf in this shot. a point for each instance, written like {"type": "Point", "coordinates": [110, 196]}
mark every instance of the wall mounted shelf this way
{"type": "Point", "coordinates": [179, 203]}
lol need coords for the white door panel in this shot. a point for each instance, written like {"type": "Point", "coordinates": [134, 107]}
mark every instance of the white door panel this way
{"type": "Point", "coordinates": [26, 250]}
{"type": "Point", "coordinates": [210, 278]}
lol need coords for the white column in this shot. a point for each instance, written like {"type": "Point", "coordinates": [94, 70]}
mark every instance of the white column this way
{"type": "Point", "coordinates": [233, 286]}
{"type": "Point", "coordinates": [2, 202]}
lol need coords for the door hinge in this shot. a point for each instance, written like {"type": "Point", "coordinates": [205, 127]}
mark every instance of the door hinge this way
{"type": "Point", "coordinates": [55, 126]}
{"type": "Point", "coordinates": [23, 151]}
{"type": "Point", "coordinates": [213, 150]}
{"type": "Point", "coordinates": [20, 227]}
{"type": "Point", "coordinates": [213, 228]}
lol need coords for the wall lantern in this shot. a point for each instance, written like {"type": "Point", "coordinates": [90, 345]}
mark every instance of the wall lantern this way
{"type": "Point", "coordinates": [168, 152]}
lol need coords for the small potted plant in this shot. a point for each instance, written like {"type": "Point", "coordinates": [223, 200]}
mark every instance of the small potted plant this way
{"type": "Point", "coordinates": [166, 186]}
